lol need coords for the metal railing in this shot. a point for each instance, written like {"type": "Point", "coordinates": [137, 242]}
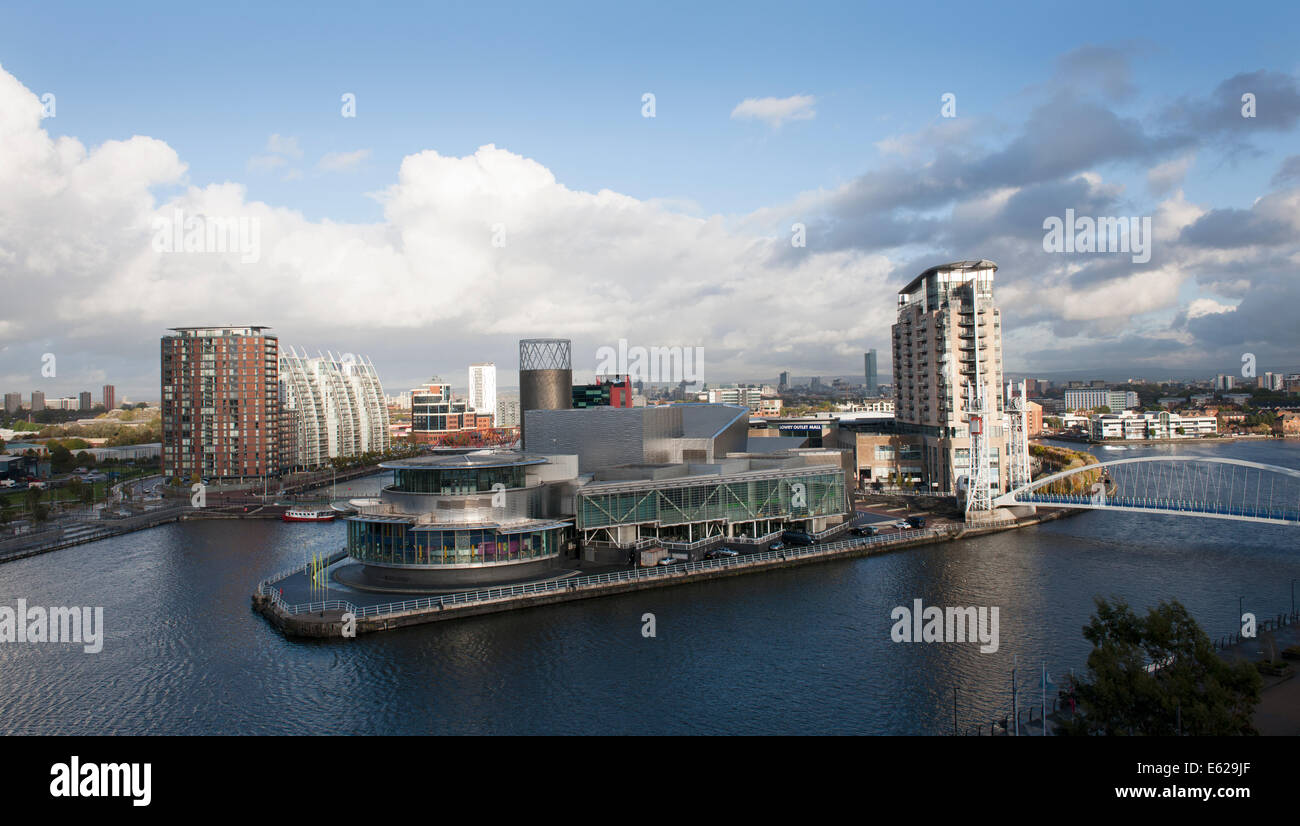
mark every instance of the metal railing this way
{"type": "Point", "coordinates": [571, 584]}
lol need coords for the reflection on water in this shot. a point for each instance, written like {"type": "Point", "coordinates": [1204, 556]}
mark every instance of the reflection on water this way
{"type": "Point", "coordinates": [803, 650]}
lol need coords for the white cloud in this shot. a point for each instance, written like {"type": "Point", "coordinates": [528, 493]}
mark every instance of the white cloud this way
{"type": "Point", "coordinates": [776, 111]}
{"type": "Point", "coordinates": [1168, 176]}
{"type": "Point", "coordinates": [287, 146]}
{"type": "Point", "coordinates": [77, 225]}
{"type": "Point", "coordinates": [339, 161]}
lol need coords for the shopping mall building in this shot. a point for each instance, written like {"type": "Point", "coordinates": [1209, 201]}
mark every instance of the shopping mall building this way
{"type": "Point", "coordinates": [593, 483]}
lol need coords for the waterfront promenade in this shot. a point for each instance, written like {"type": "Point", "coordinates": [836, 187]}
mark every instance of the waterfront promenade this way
{"type": "Point", "coordinates": [323, 617]}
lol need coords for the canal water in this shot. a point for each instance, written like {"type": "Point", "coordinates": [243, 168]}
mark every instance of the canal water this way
{"type": "Point", "coordinates": [797, 651]}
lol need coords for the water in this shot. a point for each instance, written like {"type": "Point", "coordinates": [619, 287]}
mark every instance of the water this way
{"type": "Point", "coordinates": [798, 651]}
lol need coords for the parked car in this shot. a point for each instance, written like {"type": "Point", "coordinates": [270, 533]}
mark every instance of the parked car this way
{"type": "Point", "coordinates": [727, 552]}
{"type": "Point", "coordinates": [668, 560]}
{"type": "Point", "coordinates": [864, 530]}
{"type": "Point", "coordinates": [902, 525]}
{"type": "Point", "coordinates": [916, 521]}
{"type": "Point", "coordinates": [797, 538]}
{"type": "Point", "coordinates": [776, 546]}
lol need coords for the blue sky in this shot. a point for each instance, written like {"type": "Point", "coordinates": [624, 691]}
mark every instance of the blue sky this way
{"type": "Point", "coordinates": [561, 85]}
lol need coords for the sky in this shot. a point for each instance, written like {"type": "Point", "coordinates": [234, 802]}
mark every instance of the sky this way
{"type": "Point", "coordinates": [425, 184]}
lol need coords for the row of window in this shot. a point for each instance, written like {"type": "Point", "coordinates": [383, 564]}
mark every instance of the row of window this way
{"type": "Point", "coordinates": [396, 544]}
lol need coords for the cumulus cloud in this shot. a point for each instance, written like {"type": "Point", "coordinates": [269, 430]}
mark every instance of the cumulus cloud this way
{"type": "Point", "coordinates": [426, 282]}
{"type": "Point", "coordinates": [776, 111]}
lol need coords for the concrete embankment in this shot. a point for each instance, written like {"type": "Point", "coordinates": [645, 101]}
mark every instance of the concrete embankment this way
{"type": "Point", "coordinates": [329, 623]}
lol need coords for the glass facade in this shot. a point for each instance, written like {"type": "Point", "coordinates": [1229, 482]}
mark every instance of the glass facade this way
{"type": "Point", "coordinates": [795, 497]}
{"type": "Point", "coordinates": [457, 480]}
{"type": "Point", "coordinates": [398, 543]}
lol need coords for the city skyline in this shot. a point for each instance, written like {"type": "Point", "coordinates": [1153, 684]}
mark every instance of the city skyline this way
{"type": "Point", "coordinates": [425, 224]}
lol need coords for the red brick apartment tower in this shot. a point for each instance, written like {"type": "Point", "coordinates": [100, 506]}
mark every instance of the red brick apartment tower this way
{"type": "Point", "coordinates": [220, 403]}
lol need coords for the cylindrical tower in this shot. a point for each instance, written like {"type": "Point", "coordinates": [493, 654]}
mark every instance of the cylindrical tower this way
{"type": "Point", "coordinates": [545, 377]}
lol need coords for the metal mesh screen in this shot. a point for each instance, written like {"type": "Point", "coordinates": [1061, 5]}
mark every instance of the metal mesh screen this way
{"type": "Point", "coordinates": [545, 354]}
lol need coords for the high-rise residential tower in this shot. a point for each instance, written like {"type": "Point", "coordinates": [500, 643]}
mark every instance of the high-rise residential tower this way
{"type": "Point", "coordinates": [873, 379]}
{"type": "Point", "coordinates": [330, 408]}
{"type": "Point", "coordinates": [220, 403]}
{"type": "Point", "coordinates": [948, 359]}
{"type": "Point", "coordinates": [483, 388]}
{"type": "Point", "coordinates": [110, 397]}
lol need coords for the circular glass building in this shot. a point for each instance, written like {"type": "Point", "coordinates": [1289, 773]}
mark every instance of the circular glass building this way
{"type": "Point", "coordinates": [465, 520]}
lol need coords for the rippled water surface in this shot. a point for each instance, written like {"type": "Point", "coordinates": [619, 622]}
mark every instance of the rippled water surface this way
{"type": "Point", "coordinates": [804, 650]}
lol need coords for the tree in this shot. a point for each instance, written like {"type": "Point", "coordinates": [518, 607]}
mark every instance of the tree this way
{"type": "Point", "coordinates": [61, 459]}
{"type": "Point", "coordinates": [1192, 691]}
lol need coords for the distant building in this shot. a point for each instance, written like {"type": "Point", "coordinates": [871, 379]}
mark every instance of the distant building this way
{"type": "Point", "coordinates": [110, 397]}
{"type": "Point", "coordinates": [1162, 425]}
{"type": "Point", "coordinates": [1091, 399]}
{"type": "Point", "coordinates": [1223, 382]}
{"type": "Point", "coordinates": [746, 395]}
{"type": "Point", "coordinates": [507, 413]}
{"type": "Point", "coordinates": [483, 388]}
{"type": "Point", "coordinates": [436, 416]}
{"type": "Point", "coordinates": [1035, 411]}
{"type": "Point", "coordinates": [38, 400]}
{"type": "Point", "coordinates": [873, 379]}
{"type": "Point", "coordinates": [784, 384]}
{"type": "Point", "coordinates": [85, 401]}
{"type": "Point", "coordinates": [606, 392]}
{"type": "Point", "coordinates": [13, 402]}
{"type": "Point", "coordinates": [1273, 381]}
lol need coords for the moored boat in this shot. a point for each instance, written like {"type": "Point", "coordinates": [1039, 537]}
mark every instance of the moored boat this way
{"type": "Point", "coordinates": [309, 515]}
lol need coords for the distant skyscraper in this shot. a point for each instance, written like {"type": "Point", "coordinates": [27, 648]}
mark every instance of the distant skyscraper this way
{"type": "Point", "coordinates": [86, 401]}
{"type": "Point", "coordinates": [38, 400]}
{"type": "Point", "coordinates": [13, 401]}
{"type": "Point", "coordinates": [816, 383]}
{"type": "Point", "coordinates": [220, 403]}
{"type": "Point", "coordinates": [784, 384]}
{"type": "Point", "coordinates": [873, 380]}
{"type": "Point", "coordinates": [110, 397]}
{"type": "Point", "coordinates": [483, 388]}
